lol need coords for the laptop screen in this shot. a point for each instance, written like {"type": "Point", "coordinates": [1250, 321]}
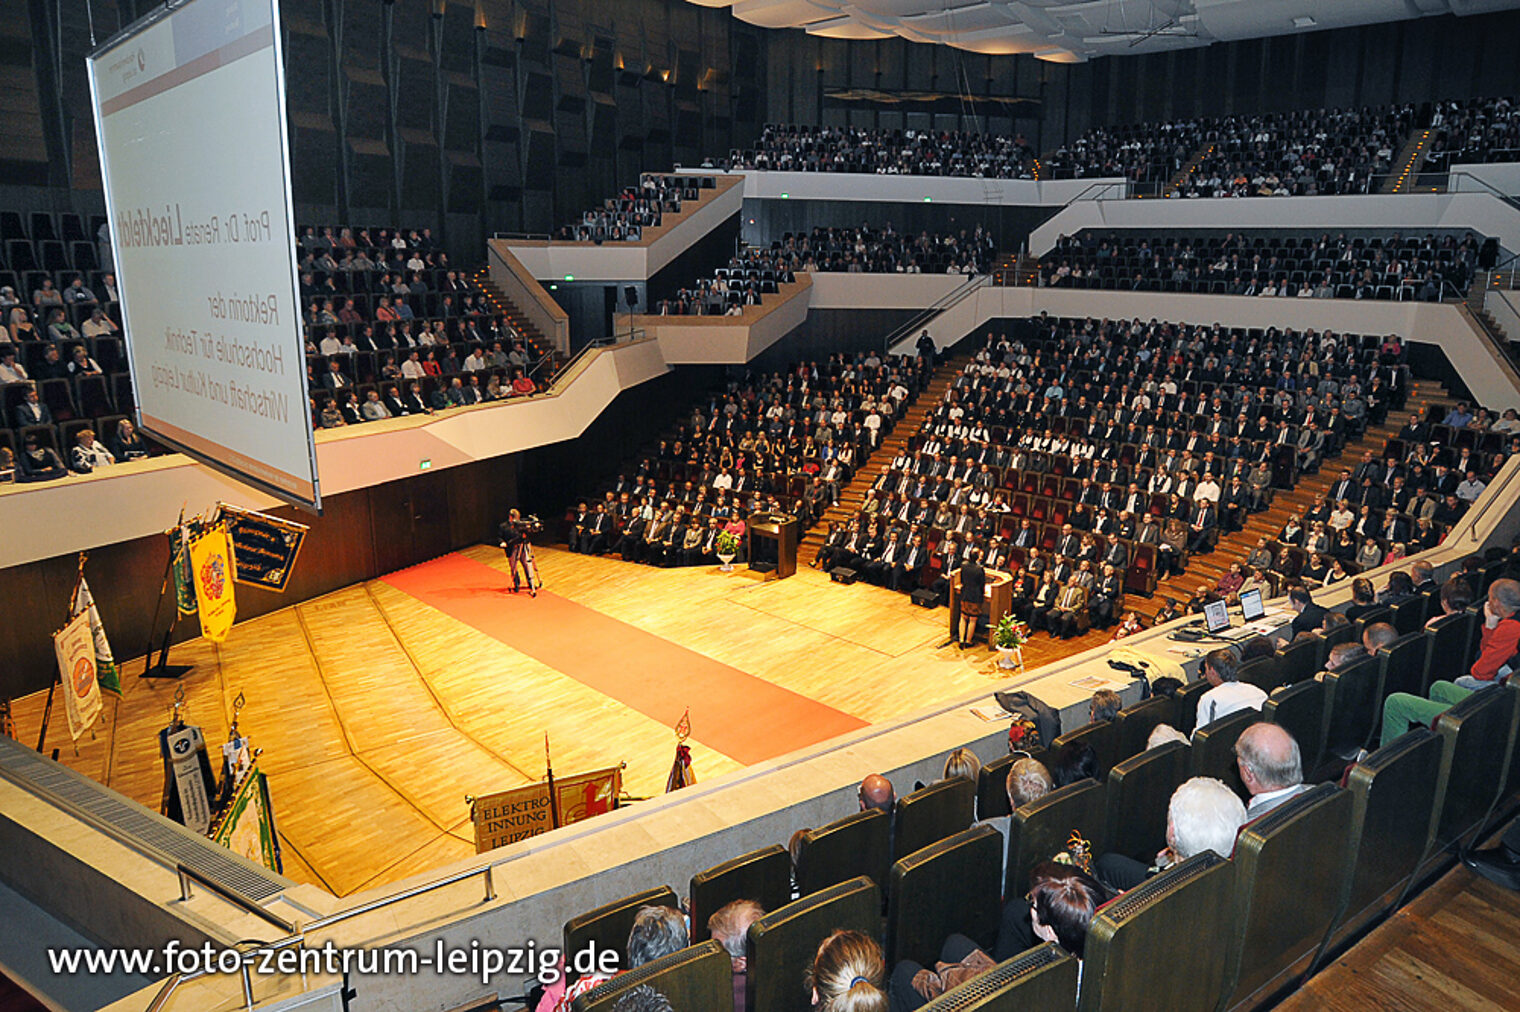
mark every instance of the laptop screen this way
{"type": "Point", "coordinates": [1251, 607]}
{"type": "Point", "coordinates": [1216, 616]}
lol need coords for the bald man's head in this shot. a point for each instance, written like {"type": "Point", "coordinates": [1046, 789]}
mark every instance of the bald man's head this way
{"type": "Point", "coordinates": [1269, 758]}
{"type": "Point", "coordinates": [876, 793]}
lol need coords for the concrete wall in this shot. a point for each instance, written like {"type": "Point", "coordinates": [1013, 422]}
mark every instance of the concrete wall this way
{"type": "Point", "coordinates": [916, 189]}
{"type": "Point", "coordinates": [1502, 176]}
{"type": "Point", "coordinates": [1483, 213]}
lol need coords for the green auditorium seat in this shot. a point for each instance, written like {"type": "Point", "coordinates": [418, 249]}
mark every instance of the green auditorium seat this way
{"type": "Point", "coordinates": [1300, 660]}
{"type": "Point", "coordinates": [764, 875]}
{"type": "Point", "coordinates": [857, 844]}
{"type": "Point", "coordinates": [992, 787]}
{"type": "Point", "coordinates": [1102, 735]}
{"type": "Point", "coordinates": [1393, 794]}
{"type": "Point", "coordinates": [1475, 736]}
{"type": "Point", "coordinates": [1300, 709]}
{"type": "Point", "coordinates": [1474, 615]}
{"type": "Point", "coordinates": [1353, 706]}
{"type": "Point", "coordinates": [1137, 722]}
{"type": "Point", "coordinates": [932, 813]}
{"type": "Point", "coordinates": [1372, 617]}
{"type": "Point", "coordinates": [607, 926]}
{"type": "Point", "coordinates": [992, 782]}
{"type": "Point", "coordinates": [1290, 868]}
{"type": "Point", "coordinates": [1186, 703]}
{"type": "Point", "coordinates": [1403, 663]}
{"type": "Point", "coordinates": [781, 945]}
{"type": "Point", "coordinates": [1409, 615]}
{"type": "Point", "coordinates": [699, 977]}
{"type": "Point", "coordinates": [1039, 978]}
{"type": "Point", "coordinates": [1263, 672]}
{"type": "Point", "coordinates": [1158, 945]}
{"type": "Point", "coordinates": [1512, 782]}
{"type": "Point", "coordinates": [1139, 790]}
{"type": "Point", "coordinates": [1329, 638]}
{"type": "Point", "coordinates": [949, 886]}
{"type": "Point", "coordinates": [1214, 748]}
{"type": "Point", "coordinates": [1446, 641]}
{"type": "Point", "coordinates": [1039, 830]}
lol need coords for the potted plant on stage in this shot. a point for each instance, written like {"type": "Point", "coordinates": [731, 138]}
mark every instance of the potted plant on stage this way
{"type": "Point", "coordinates": [1009, 637]}
{"type": "Point", "coordinates": [728, 550]}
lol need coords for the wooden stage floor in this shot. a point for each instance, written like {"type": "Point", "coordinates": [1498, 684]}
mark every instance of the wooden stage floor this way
{"type": "Point", "coordinates": [378, 713]}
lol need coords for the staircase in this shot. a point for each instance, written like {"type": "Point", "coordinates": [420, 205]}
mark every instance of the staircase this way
{"type": "Point", "coordinates": [500, 304]}
{"type": "Point", "coordinates": [1017, 269]}
{"type": "Point", "coordinates": [1191, 166]}
{"type": "Point", "coordinates": [853, 495]}
{"type": "Point", "coordinates": [1407, 164]}
{"type": "Point", "coordinates": [1207, 569]}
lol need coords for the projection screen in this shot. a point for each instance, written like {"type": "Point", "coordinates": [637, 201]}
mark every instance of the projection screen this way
{"type": "Point", "coordinates": [190, 118]}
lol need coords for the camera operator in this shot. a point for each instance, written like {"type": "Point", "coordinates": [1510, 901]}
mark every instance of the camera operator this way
{"type": "Point", "coordinates": [514, 533]}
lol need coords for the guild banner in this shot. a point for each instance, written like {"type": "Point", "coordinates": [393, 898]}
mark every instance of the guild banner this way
{"type": "Point", "coordinates": [212, 565]}
{"type": "Point", "coordinates": [265, 547]}
{"type": "Point", "coordinates": [75, 649]}
{"type": "Point", "coordinates": [510, 816]}
{"type": "Point", "coordinates": [246, 826]}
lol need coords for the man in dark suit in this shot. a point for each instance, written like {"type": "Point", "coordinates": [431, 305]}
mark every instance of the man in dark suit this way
{"type": "Point", "coordinates": [1310, 615]}
{"type": "Point", "coordinates": [31, 411]}
{"type": "Point", "coordinates": [905, 572]}
{"type": "Point", "coordinates": [973, 592]}
{"type": "Point", "coordinates": [1204, 520]}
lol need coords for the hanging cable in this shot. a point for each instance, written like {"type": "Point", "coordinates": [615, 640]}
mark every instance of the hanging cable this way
{"type": "Point", "coordinates": [89, 13]}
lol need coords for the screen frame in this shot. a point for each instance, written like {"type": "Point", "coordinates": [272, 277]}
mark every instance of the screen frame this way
{"type": "Point", "coordinates": [1260, 610]}
{"type": "Point", "coordinates": [1211, 611]}
{"type": "Point", "coordinates": [205, 455]}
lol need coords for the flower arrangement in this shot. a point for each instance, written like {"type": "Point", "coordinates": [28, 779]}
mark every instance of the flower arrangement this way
{"type": "Point", "coordinates": [727, 544]}
{"type": "Point", "coordinates": [1010, 634]}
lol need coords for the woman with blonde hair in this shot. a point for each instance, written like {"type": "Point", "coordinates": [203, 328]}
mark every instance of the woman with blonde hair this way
{"type": "Point", "coordinates": [963, 763]}
{"type": "Point", "coordinates": [848, 974]}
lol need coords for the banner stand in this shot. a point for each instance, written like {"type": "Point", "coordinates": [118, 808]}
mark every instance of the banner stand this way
{"type": "Point", "coordinates": [163, 669]}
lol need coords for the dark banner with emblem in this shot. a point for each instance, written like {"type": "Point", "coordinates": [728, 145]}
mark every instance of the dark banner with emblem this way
{"type": "Point", "coordinates": [265, 547]}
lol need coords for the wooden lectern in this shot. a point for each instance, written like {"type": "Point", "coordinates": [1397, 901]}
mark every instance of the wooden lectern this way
{"type": "Point", "coordinates": [999, 598]}
{"type": "Point", "coordinates": [772, 543]}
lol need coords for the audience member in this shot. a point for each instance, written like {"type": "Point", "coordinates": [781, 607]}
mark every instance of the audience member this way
{"type": "Point", "coordinates": [1270, 765]}
{"type": "Point", "coordinates": [1203, 815]}
{"type": "Point", "coordinates": [1228, 694]}
{"type": "Point", "coordinates": [729, 927]}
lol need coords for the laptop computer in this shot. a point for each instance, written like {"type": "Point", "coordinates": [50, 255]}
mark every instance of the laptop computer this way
{"type": "Point", "coordinates": [1251, 607]}
{"type": "Point", "coordinates": [1216, 617]}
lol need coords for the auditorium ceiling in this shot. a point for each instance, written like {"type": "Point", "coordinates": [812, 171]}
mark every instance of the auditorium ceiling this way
{"type": "Point", "coordinates": [1063, 31]}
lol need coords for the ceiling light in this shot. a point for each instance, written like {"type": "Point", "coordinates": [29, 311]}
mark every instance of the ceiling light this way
{"type": "Point", "coordinates": [1304, 21]}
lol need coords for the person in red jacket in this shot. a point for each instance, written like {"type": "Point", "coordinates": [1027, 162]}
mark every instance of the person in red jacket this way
{"type": "Point", "coordinates": [1501, 636]}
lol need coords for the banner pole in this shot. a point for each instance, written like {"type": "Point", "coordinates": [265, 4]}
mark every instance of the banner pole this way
{"type": "Point", "coordinates": [553, 801]}
{"type": "Point", "coordinates": [47, 709]}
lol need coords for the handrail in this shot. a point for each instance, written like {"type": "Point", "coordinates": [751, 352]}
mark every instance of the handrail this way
{"type": "Point", "coordinates": [188, 875]}
{"type": "Point", "coordinates": [298, 933]}
{"type": "Point", "coordinates": [944, 302]}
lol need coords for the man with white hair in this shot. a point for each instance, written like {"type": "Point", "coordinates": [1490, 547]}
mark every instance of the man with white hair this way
{"type": "Point", "coordinates": [729, 927]}
{"type": "Point", "coordinates": [1203, 815]}
{"type": "Point", "coordinates": [1271, 767]}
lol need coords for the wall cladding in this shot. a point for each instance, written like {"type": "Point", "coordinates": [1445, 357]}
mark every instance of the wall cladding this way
{"type": "Point", "coordinates": [477, 116]}
{"type": "Point", "coordinates": [360, 536]}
